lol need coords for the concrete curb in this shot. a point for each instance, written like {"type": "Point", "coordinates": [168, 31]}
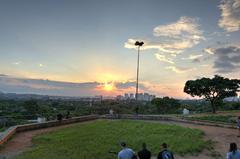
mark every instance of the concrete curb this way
{"type": "Point", "coordinates": [167, 118]}
{"type": "Point", "coordinates": [7, 134]}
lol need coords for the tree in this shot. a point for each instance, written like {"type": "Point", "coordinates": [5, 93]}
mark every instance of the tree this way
{"type": "Point", "coordinates": [213, 90]}
{"type": "Point", "coordinates": [31, 107]}
{"type": "Point", "coordinates": [166, 104]}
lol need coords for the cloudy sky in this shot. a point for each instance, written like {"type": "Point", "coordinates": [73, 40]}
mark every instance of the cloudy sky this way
{"type": "Point", "coordinates": [86, 47]}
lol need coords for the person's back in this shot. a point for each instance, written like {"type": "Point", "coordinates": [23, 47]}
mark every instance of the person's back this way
{"type": "Point", "coordinates": [233, 155]}
{"type": "Point", "coordinates": [125, 153]}
{"type": "Point", "coordinates": [233, 152]}
{"type": "Point", "coordinates": [144, 153]}
{"type": "Point", "coordinates": [165, 154]}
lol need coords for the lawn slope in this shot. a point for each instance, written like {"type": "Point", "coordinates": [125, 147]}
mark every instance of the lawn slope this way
{"type": "Point", "coordinates": [93, 140]}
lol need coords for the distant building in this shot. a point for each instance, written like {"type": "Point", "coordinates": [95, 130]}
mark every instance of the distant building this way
{"type": "Point", "coordinates": [132, 96]}
{"type": "Point", "coordinates": [232, 99]}
{"type": "Point", "coordinates": [185, 111]}
{"type": "Point", "coordinates": [141, 97]}
{"type": "Point", "coordinates": [126, 97]}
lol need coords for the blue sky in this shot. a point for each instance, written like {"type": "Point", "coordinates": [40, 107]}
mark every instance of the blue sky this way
{"type": "Point", "coordinates": [91, 42]}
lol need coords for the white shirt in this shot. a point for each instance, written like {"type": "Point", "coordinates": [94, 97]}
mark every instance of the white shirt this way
{"type": "Point", "coordinates": [126, 153]}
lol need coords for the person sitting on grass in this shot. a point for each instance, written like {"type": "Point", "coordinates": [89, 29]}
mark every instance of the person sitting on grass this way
{"type": "Point", "coordinates": [238, 126]}
{"type": "Point", "coordinates": [233, 153]}
{"type": "Point", "coordinates": [165, 153]}
{"type": "Point", "coordinates": [59, 117]}
{"type": "Point", "coordinates": [126, 153]}
{"type": "Point", "coordinates": [144, 153]}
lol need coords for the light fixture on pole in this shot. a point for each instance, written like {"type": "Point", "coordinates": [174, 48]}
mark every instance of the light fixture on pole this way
{"type": "Point", "coordinates": [139, 44]}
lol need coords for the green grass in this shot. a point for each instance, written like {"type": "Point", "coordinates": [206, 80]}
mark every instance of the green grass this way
{"type": "Point", "coordinates": [217, 118]}
{"type": "Point", "coordinates": [93, 140]}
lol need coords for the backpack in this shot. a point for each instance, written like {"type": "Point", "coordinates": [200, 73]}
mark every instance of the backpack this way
{"type": "Point", "coordinates": [166, 155]}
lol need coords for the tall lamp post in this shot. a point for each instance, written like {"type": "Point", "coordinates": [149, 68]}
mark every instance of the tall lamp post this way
{"type": "Point", "coordinates": [139, 44]}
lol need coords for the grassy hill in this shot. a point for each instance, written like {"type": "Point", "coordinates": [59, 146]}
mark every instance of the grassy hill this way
{"type": "Point", "coordinates": [93, 140]}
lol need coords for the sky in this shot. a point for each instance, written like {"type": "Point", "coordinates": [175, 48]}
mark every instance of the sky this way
{"type": "Point", "coordinates": [86, 47]}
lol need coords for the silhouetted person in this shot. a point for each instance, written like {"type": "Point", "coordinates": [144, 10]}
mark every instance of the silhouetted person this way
{"type": "Point", "coordinates": [238, 126]}
{"type": "Point", "coordinates": [165, 153]}
{"type": "Point", "coordinates": [59, 117]}
{"type": "Point", "coordinates": [144, 153]}
{"type": "Point", "coordinates": [233, 153]}
{"type": "Point", "coordinates": [136, 110]}
{"type": "Point", "coordinates": [126, 153]}
{"type": "Point", "coordinates": [68, 115]}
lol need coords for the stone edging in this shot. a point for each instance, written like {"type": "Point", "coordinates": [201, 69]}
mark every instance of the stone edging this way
{"type": "Point", "coordinates": [166, 118]}
{"type": "Point", "coordinates": [7, 134]}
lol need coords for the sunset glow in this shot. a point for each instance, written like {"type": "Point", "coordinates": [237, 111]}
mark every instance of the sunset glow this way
{"type": "Point", "coordinates": [108, 86]}
{"type": "Point", "coordinates": [86, 48]}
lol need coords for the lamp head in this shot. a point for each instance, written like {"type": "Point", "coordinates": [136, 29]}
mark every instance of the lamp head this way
{"type": "Point", "coordinates": [137, 43]}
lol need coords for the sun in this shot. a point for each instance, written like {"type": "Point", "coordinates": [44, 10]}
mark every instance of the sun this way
{"type": "Point", "coordinates": [108, 86]}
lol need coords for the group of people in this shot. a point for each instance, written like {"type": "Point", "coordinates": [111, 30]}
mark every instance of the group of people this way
{"type": "Point", "coordinates": [127, 153]}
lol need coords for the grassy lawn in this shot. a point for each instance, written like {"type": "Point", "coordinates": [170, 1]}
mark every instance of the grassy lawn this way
{"type": "Point", "coordinates": [93, 140]}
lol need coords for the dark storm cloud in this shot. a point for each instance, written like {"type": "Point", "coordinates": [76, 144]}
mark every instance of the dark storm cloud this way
{"type": "Point", "coordinates": [40, 86]}
{"type": "Point", "coordinates": [227, 59]}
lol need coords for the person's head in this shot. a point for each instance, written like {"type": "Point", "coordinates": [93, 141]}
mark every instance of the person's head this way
{"type": "Point", "coordinates": [144, 146]}
{"type": "Point", "coordinates": [123, 144]}
{"type": "Point", "coordinates": [233, 147]}
{"type": "Point", "coordinates": [164, 146]}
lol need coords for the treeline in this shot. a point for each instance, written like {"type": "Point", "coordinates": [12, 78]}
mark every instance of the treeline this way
{"type": "Point", "coordinates": [18, 112]}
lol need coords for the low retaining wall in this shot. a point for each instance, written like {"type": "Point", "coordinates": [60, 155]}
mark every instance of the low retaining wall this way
{"type": "Point", "coordinates": [7, 134]}
{"type": "Point", "coordinates": [167, 118]}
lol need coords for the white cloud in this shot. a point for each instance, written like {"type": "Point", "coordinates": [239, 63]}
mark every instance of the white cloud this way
{"type": "Point", "coordinates": [230, 15]}
{"type": "Point", "coordinates": [209, 50]}
{"type": "Point", "coordinates": [178, 69]}
{"type": "Point", "coordinates": [185, 26]}
{"type": "Point", "coordinates": [17, 63]}
{"type": "Point", "coordinates": [204, 65]}
{"type": "Point", "coordinates": [193, 57]}
{"type": "Point", "coordinates": [172, 38]}
{"type": "Point", "coordinates": [163, 58]}
{"type": "Point", "coordinates": [41, 65]}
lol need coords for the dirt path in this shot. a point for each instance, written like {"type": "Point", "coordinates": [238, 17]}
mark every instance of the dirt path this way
{"type": "Point", "coordinates": [23, 141]}
{"type": "Point", "coordinates": [221, 136]}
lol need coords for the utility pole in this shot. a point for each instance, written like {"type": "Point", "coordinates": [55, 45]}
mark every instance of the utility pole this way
{"type": "Point", "coordinates": [139, 44]}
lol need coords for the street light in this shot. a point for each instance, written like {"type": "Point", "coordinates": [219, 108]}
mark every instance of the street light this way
{"type": "Point", "coordinates": [139, 44]}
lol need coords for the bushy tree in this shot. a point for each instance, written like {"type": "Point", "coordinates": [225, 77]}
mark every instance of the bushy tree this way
{"type": "Point", "coordinates": [166, 104]}
{"type": "Point", "coordinates": [31, 107]}
{"type": "Point", "coordinates": [213, 90]}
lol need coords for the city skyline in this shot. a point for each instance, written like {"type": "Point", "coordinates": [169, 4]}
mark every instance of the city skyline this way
{"type": "Point", "coordinates": [86, 48]}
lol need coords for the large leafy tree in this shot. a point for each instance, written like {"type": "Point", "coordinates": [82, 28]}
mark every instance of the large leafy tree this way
{"type": "Point", "coordinates": [213, 90]}
{"type": "Point", "coordinates": [166, 104]}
